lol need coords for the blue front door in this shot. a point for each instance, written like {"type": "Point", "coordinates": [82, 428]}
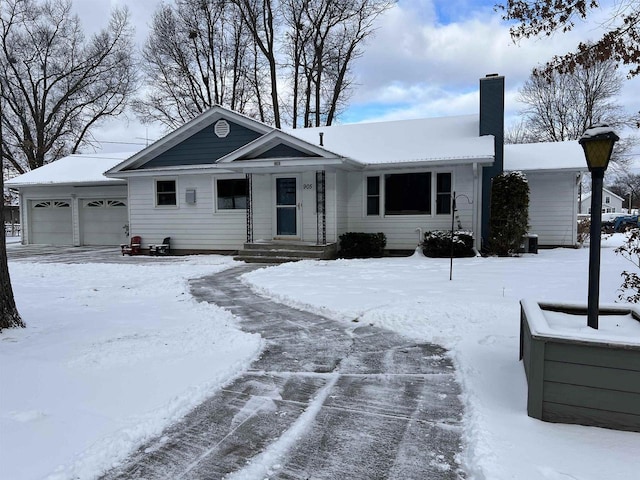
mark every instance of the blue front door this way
{"type": "Point", "coordinates": [286, 207]}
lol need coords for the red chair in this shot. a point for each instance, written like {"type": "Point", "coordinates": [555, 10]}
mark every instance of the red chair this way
{"type": "Point", "coordinates": [133, 248]}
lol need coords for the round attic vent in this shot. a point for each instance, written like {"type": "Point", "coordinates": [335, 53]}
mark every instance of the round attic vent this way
{"type": "Point", "coordinates": [221, 128]}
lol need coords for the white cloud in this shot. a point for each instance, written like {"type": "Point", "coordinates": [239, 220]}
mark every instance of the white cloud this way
{"type": "Point", "coordinates": [425, 59]}
{"type": "Point", "coordinates": [418, 66]}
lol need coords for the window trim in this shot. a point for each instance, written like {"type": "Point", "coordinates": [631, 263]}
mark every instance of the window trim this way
{"type": "Point", "coordinates": [380, 196]}
{"type": "Point", "coordinates": [155, 191]}
{"type": "Point", "coordinates": [436, 193]}
{"type": "Point", "coordinates": [383, 214]}
{"type": "Point", "coordinates": [226, 211]}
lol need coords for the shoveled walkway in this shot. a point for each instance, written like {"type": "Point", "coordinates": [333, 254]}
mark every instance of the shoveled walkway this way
{"type": "Point", "coordinates": [324, 401]}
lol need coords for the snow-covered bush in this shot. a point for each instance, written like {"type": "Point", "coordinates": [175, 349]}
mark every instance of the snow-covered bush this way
{"type": "Point", "coordinates": [630, 249]}
{"type": "Point", "coordinates": [362, 245]}
{"type": "Point", "coordinates": [509, 219]}
{"type": "Point", "coordinates": [437, 243]}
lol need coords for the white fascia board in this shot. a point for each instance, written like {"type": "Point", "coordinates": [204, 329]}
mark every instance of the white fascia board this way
{"type": "Point", "coordinates": [107, 182]}
{"type": "Point", "coordinates": [289, 163]}
{"type": "Point", "coordinates": [548, 170]}
{"type": "Point", "coordinates": [177, 170]}
{"type": "Point", "coordinates": [436, 162]}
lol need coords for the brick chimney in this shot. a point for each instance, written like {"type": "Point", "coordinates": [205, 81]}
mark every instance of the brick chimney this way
{"type": "Point", "coordinates": [491, 123]}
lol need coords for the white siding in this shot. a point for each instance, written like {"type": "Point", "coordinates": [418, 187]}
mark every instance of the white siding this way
{"type": "Point", "coordinates": [191, 226]}
{"type": "Point", "coordinates": [400, 230]}
{"type": "Point", "coordinates": [553, 206]}
{"type": "Point", "coordinates": [262, 207]}
{"type": "Point", "coordinates": [309, 216]}
{"type": "Point", "coordinates": [342, 201]}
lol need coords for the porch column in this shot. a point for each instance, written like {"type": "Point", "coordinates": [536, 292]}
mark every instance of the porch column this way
{"type": "Point", "coordinates": [321, 211]}
{"type": "Point", "coordinates": [249, 208]}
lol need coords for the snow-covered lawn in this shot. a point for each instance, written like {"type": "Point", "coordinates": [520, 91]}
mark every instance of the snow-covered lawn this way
{"type": "Point", "coordinates": [476, 316]}
{"type": "Point", "coordinates": [113, 353]}
{"type": "Point", "coordinates": [110, 356]}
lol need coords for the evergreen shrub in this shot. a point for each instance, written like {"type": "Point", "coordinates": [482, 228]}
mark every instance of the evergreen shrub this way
{"type": "Point", "coordinates": [509, 220]}
{"type": "Point", "coordinates": [437, 243]}
{"type": "Point", "coordinates": [362, 245]}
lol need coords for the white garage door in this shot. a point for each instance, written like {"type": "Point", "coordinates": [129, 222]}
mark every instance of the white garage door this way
{"type": "Point", "coordinates": [50, 222]}
{"type": "Point", "coordinates": [102, 221]}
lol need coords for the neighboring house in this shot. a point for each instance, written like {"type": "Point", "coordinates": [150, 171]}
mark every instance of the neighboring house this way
{"type": "Point", "coordinates": [611, 203]}
{"type": "Point", "coordinates": [223, 180]}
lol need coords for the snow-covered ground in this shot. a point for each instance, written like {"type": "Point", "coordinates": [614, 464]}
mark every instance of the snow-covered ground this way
{"type": "Point", "coordinates": [110, 356]}
{"type": "Point", "coordinates": [113, 353]}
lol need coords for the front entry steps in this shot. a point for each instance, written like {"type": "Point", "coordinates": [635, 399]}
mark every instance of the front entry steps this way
{"type": "Point", "coordinates": [285, 251]}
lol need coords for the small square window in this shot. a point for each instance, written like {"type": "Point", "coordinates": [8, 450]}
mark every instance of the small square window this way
{"type": "Point", "coordinates": [166, 192]}
{"type": "Point", "coordinates": [232, 194]}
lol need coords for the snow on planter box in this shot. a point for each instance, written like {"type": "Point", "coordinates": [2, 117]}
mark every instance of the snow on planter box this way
{"type": "Point", "coordinates": [576, 374]}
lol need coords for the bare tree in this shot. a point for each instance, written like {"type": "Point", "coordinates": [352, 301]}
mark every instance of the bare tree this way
{"type": "Point", "coordinates": [199, 54]}
{"type": "Point", "coordinates": [519, 133]}
{"type": "Point", "coordinates": [561, 106]}
{"type": "Point", "coordinates": [263, 19]}
{"type": "Point", "coordinates": [325, 38]}
{"type": "Point", "coordinates": [620, 42]}
{"type": "Point", "coordinates": [627, 185]}
{"type": "Point", "coordinates": [9, 316]}
{"type": "Point", "coordinates": [275, 60]}
{"type": "Point", "coordinates": [59, 85]}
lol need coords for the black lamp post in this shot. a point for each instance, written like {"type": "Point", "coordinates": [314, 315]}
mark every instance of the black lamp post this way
{"type": "Point", "coordinates": [597, 143]}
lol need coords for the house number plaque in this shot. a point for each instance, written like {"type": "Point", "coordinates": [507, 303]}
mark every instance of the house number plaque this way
{"type": "Point", "coordinates": [307, 186]}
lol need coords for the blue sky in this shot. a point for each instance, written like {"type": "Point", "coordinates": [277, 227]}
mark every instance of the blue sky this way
{"type": "Point", "coordinates": [425, 60]}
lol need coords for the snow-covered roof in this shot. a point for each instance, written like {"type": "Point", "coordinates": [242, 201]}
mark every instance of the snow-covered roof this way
{"type": "Point", "coordinates": [404, 141]}
{"type": "Point", "coordinates": [587, 196]}
{"type": "Point", "coordinates": [544, 156]}
{"type": "Point", "coordinates": [79, 168]}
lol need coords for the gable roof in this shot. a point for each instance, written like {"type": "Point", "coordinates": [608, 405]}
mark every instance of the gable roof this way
{"type": "Point", "coordinates": [545, 156]}
{"type": "Point", "coordinates": [419, 141]}
{"type": "Point", "coordinates": [83, 168]}
{"type": "Point", "coordinates": [587, 196]}
{"type": "Point", "coordinates": [187, 130]}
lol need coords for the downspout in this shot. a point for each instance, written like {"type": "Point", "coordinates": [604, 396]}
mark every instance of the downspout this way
{"type": "Point", "coordinates": [477, 206]}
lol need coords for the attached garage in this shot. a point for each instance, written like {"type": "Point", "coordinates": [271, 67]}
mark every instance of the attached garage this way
{"type": "Point", "coordinates": [103, 221]}
{"type": "Point", "coordinates": [51, 222]}
{"type": "Point", "coordinates": [71, 202]}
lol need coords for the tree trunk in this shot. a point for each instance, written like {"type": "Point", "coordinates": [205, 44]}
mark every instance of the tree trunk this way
{"type": "Point", "coordinates": [9, 316]}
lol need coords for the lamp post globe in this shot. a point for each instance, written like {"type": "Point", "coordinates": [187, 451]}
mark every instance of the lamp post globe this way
{"type": "Point", "coordinates": [597, 143]}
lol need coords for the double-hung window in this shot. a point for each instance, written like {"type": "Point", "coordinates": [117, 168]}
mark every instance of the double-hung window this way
{"type": "Point", "coordinates": [443, 193]}
{"type": "Point", "coordinates": [373, 195]}
{"type": "Point", "coordinates": [166, 193]}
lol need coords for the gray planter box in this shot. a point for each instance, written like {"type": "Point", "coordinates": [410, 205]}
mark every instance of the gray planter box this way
{"type": "Point", "coordinates": [577, 379]}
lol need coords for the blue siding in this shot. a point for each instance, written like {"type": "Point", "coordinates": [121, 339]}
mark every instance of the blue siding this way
{"type": "Point", "coordinates": [204, 147]}
{"type": "Point", "coordinates": [283, 151]}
